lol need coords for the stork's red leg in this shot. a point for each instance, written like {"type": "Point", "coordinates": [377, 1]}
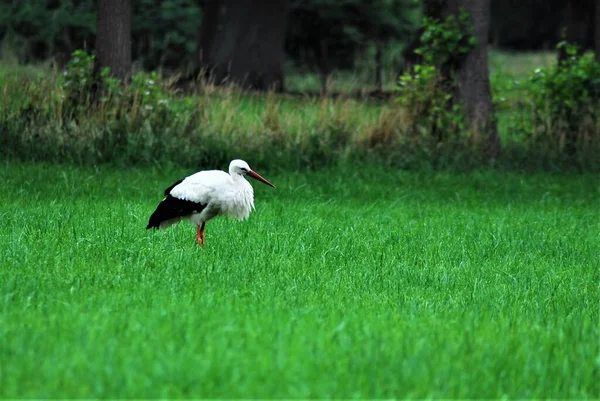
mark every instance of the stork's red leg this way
{"type": "Point", "coordinates": [200, 234]}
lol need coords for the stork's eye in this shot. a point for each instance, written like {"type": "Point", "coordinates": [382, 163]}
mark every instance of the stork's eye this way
{"type": "Point", "coordinates": [244, 169]}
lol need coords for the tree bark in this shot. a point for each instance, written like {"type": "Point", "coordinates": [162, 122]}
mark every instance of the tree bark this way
{"type": "Point", "coordinates": [474, 86]}
{"type": "Point", "coordinates": [242, 41]}
{"type": "Point", "coordinates": [379, 67]}
{"type": "Point", "coordinates": [323, 65]}
{"type": "Point", "coordinates": [207, 31]}
{"type": "Point", "coordinates": [597, 29]}
{"type": "Point", "coordinates": [113, 37]}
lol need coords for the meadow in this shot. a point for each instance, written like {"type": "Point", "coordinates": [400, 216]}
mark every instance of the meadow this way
{"type": "Point", "coordinates": [347, 282]}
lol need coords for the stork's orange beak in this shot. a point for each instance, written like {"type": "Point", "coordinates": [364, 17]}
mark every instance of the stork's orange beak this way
{"type": "Point", "coordinates": [259, 178]}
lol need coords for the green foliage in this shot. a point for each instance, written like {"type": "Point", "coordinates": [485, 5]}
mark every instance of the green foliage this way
{"type": "Point", "coordinates": [446, 43]}
{"type": "Point", "coordinates": [565, 100]}
{"type": "Point", "coordinates": [429, 102]}
{"type": "Point", "coordinates": [428, 92]}
{"type": "Point", "coordinates": [78, 78]}
{"type": "Point", "coordinates": [79, 71]}
{"type": "Point", "coordinates": [148, 87]}
{"type": "Point", "coordinates": [569, 86]}
{"type": "Point", "coordinates": [44, 119]}
{"type": "Point", "coordinates": [346, 283]}
{"type": "Point", "coordinates": [58, 120]}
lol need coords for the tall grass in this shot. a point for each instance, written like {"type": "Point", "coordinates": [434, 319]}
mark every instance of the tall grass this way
{"type": "Point", "coordinates": [41, 122]}
{"type": "Point", "coordinates": [152, 121]}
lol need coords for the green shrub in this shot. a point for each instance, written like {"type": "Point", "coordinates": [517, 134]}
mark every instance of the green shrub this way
{"type": "Point", "coordinates": [444, 44]}
{"type": "Point", "coordinates": [564, 101]}
{"type": "Point", "coordinates": [428, 91]}
{"type": "Point", "coordinates": [430, 105]}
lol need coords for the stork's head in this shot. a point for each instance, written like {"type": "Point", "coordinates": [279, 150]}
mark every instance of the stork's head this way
{"type": "Point", "coordinates": [242, 168]}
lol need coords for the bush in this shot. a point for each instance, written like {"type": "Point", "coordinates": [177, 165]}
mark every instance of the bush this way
{"type": "Point", "coordinates": [564, 102]}
{"type": "Point", "coordinates": [428, 91]}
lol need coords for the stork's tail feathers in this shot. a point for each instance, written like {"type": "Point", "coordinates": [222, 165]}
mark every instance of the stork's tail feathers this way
{"type": "Point", "coordinates": [171, 210]}
{"type": "Point", "coordinates": [158, 216]}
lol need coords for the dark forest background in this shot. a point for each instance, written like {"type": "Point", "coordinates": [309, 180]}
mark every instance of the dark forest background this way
{"type": "Point", "coordinates": [441, 69]}
{"type": "Point", "coordinates": [164, 33]}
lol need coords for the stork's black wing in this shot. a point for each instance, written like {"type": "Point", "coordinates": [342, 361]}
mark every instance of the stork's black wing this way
{"type": "Point", "coordinates": [171, 208]}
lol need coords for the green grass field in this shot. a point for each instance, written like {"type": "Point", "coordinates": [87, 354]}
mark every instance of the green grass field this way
{"type": "Point", "coordinates": [344, 283]}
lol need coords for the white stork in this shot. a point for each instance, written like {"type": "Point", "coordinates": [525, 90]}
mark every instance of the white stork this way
{"type": "Point", "coordinates": [205, 195]}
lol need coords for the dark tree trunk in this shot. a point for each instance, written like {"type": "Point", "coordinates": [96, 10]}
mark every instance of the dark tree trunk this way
{"type": "Point", "coordinates": [379, 67]}
{"type": "Point", "coordinates": [323, 65]}
{"type": "Point", "coordinates": [207, 31]}
{"type": "Point", "coordinates": [241, 42]}
{"type": "Point", "coordinates": [474, 86]}
{"type": "Point", "coordinates": [113, 37]}
{"type": "Point", "coordinates": [597, 29]}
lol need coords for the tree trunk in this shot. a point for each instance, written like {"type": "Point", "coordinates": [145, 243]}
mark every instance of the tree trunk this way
{"type": "Point", "coordinates": [474, 86]}
{"type": "Point", "coordinates": [379, 67]}
{"type": "Point", "coordinates": [113, 37]}
{"type": "Point", "coordinates": [207, 31]}
{"type": "Point", "coordinates": [597, 29]}
{"type": "Point", "coordinates": [323, 65]}
{"type": "Point", "coordinates": [241, 42]}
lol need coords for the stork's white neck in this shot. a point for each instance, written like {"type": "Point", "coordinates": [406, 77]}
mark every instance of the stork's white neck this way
{"type": "Point", "coordinates": [237, 177]}
{"type": "Point", "coordinates": [242, 198]}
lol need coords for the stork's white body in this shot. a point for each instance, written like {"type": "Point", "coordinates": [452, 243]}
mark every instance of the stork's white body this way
{"type": "Point", "coordinates": [205, 195]}
{"type": "Point", "coordinates": [223, 194]}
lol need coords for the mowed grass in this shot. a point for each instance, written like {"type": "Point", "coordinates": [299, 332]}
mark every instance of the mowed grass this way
{"type": "Point", "coordinates": [346, 283]}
